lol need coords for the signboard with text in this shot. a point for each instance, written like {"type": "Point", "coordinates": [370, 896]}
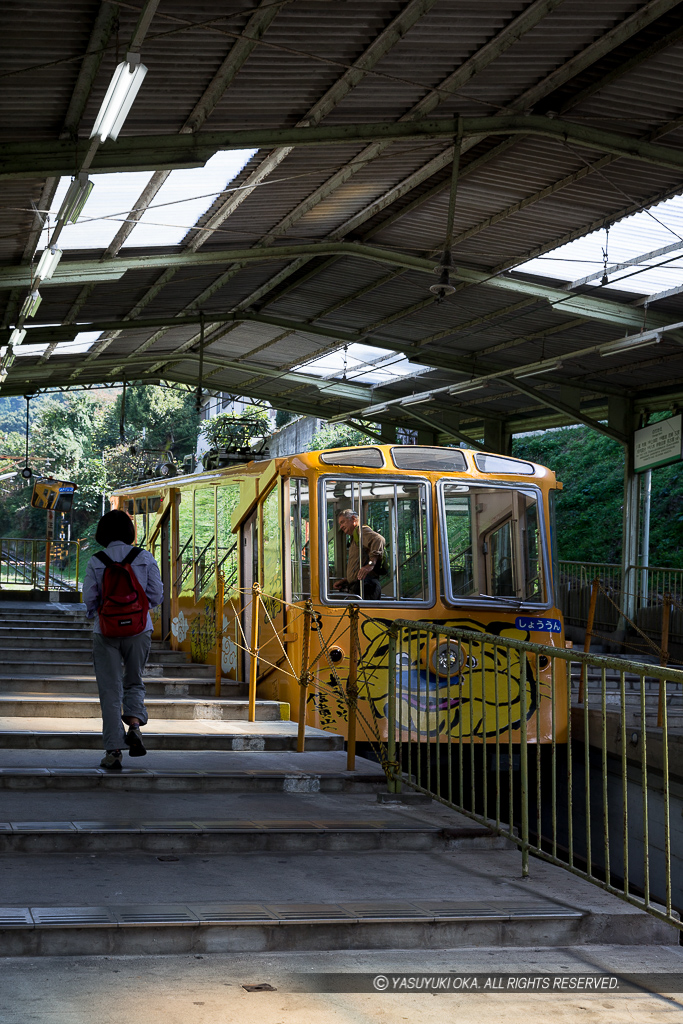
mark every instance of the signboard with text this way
{"type": "Point", "coordinates": [53, 495]}
{"type": "Point", "coordinates": [658, 444]}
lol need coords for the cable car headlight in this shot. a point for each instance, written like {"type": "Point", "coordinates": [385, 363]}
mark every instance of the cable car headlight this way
{"type": "Point", "coordinates": [446, 658]}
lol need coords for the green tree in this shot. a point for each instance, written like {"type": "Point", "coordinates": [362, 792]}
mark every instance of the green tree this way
{"type": "Point", "coordinates": [590, 507]}
{"type": "Point", "coordinates": [235, 430]}
{"type": "Point", "coordinates": [340, 435]}
{"type": "Point", "coordinates": [155, 417]}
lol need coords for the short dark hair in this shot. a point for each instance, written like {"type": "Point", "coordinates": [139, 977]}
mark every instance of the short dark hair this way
{"type": "Point", "coordinates": [115, 525]}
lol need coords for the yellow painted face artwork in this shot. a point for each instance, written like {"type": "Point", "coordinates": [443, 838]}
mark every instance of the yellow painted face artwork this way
{"type": "Point", "coordinates": [465, 690]}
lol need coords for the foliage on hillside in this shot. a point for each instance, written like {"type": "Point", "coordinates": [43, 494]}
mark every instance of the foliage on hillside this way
{"type": "Point", "coordinates": [590, 508]}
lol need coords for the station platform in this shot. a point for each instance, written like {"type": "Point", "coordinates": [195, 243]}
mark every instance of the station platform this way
{"type": "Point", "coordinates": [224, 839]}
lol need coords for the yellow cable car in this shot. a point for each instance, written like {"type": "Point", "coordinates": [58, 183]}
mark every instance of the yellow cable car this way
{"type": "Point", "coordinates": [466, 540]}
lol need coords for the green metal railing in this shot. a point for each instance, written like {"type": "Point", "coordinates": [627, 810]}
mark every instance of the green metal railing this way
{"type": "Point", "coordinates": [582, 784]}
{"type": "Point", "coordinates": [23, 564]}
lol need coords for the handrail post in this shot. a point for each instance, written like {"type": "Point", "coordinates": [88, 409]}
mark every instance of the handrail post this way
{"type": "Point", "coordinates": [392, 783]}
{"type": "Point", "coordinates": [253, 666]}
{"type": "Point", "coordinates": [352, 688]}
{"type": "Point", "coordinates": [664, 656]}
{"type": "Point", "coordinates": [304, 678]}
{"type": "Point", "coordinates": [220, 601]}
{"type": "Point", "coordinates": [78, 563]}
{"type": "Point", "coordinates": [524, 776]}
{"type": "Point", "coordinates": [46, 585]}
{"type": "Point", "coordinates": [589, 633]}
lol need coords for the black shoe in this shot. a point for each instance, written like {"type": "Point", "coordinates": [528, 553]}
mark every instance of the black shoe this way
{"type": "Point", "coordinates": [112, 761]}
{"type": "Point", "coordinates": [136, 748]}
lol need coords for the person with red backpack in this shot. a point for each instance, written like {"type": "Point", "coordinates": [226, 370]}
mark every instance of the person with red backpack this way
{"type": "Point", "coordinates": [121, 584]}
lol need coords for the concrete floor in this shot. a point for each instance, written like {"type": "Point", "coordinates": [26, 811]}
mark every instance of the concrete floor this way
{"type": "Point", "coordinates": [208, 989]}
{"type": "Point", "coordinates": [140, 878]}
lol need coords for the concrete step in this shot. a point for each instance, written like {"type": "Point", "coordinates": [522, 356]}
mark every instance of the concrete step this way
{"type": "Point", "coordinates": [26, 636]}
{"type": "Point", "coordinates": [155, 686]}
{"type": "Point", "coordinates": [177, 709]}
{"type": "Point", "coordinates": [75, 775]}
{"type": "Point", "coordinates": [80, 651]}
{"type": "Point", "coordinates": [335, 900]}
{"type": "Point", "coordinates": [160, 734]}
{"type": "Point", "coordinates": [221, 928]}
{"type": "Point", "coordinates": [223, 836]}
{"type": "Point", "coordinates": [84, 667]}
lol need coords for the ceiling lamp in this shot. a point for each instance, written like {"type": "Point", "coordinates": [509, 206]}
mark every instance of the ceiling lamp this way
{"type": "Point", "coordinates": [554, 364]}
{"type": "Point", "coordinates": [7, 361]}
{"type": "Point", "coordinates": [75, 199]}
{"type": "Point", "coordinates": [31, 303]}
{"type": "Point", "coordinates": [418, 399]}
{"type": "Point", "coordinates": [17, 336]}
{"type": "Point", "coordinates": [624, 344]}
{"type": "Point", "coordinates": [48, 263]}
{"type": "Point", "coordinates": [118, 100]}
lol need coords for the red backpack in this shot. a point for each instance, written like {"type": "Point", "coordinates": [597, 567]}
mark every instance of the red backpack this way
{"type": "Point", "coordinates": [124, 605]}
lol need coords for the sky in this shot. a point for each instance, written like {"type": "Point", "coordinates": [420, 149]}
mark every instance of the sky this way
{"type": "Point", "coordinates": [634, 236]}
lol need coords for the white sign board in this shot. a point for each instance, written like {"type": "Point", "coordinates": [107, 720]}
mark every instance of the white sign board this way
{"type": "Point", "coordinates": [657, 445]}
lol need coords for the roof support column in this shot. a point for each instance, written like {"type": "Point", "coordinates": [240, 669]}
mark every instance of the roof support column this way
{"type": "Point", "coordinates": [496, 437]}
{"type": "Point", "coordinates": [621, 417]}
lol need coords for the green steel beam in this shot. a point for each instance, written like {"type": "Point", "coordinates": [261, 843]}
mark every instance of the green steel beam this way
{"type": "Point", "coordinates": [543, 398]}
{"type": "Point", "coordinates": [153, 152]}
{"type": "Point", "coordinates": [588, 306]}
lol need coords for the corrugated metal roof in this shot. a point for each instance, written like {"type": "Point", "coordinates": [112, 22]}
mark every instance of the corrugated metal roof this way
{"type": "Point", "coordinates": [509, 207]}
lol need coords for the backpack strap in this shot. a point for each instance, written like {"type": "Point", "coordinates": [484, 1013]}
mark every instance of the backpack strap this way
{"type": "Point", "coordinates": [131, 556]}
{"type": "Point", "coordinates": [104, 558]}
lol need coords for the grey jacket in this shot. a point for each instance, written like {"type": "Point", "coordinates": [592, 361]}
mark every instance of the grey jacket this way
{"type": "Point", "coordinates": [144, 567]}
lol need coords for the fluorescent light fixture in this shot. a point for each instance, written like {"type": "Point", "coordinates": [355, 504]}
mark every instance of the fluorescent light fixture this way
{"type": "Point", "coordinates": [48, 263]}
{"type": "Point", "coordinates": [460, 389]}
{"type": "Point", "coordinates": [624, 344]}
{"type": "Point", "coordinates": [75, 199]}
{"type": "Point", "coordinates": [546, 368]}
{"type": "Point", "coordinates": [31, 303]}
{"type": "Point", "coordinates": [119, 97]}
{"type": "Point", "coordinates": [17, 336]}
{"type": "Point", "coordinates": [377, 408]}
{"type": "Point", "coordinates": [7, 361]}
{"type": "Point", "coordinates": [417, 399]}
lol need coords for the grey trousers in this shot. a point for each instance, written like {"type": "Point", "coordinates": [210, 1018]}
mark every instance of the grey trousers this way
{"type": "Point", "coordinates": [119, 662]}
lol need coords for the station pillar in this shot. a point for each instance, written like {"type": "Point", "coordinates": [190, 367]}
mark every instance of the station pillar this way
{"type": "Point", "coordinates": [387, 433]}
{"type": "Point", "coordinates": [621, 417]}
{"type": "Point", "coordinates": [496, 437]}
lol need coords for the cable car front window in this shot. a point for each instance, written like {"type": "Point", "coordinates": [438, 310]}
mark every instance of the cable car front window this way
{"type": "Point", "coordinates": [492, 544]}
{"type": "Point", "coordinates": [389, 521]}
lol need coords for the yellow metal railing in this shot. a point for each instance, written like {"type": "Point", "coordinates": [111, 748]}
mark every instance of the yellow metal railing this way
{"type": "Point", "coordinates": [593, 797]}
{"type": "Point", "coordinates": [27, 564]}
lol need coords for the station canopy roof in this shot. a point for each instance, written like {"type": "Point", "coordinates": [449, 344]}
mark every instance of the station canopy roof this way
{"type": "Point", "coordinates": [275, 210]}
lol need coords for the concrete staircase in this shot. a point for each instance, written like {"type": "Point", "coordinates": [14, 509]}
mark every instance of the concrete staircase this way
{"type": "Point", "coordinates": [225, 839]}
